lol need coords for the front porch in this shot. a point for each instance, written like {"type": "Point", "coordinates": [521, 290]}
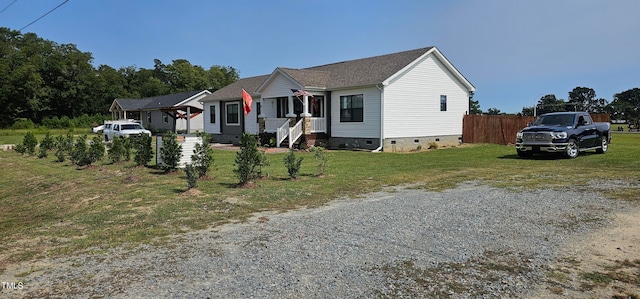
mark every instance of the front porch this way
{"type": "Point", "coordinates": [291, 117]}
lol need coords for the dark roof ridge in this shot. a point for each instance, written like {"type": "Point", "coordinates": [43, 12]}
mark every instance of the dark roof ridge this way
{"type": "Point", "coordinates": [425, 49]}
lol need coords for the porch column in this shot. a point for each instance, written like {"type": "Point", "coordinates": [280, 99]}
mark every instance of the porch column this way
{"type": "Point", "coordinates": [290, 103]}
{"type": "Point", "coordinates": [305, 106]}
{"type": "Point", "coordinates": [188, 119]}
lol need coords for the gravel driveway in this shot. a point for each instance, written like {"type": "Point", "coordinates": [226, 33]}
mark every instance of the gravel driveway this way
{"type": "Point", "coordinates": [472, 241]}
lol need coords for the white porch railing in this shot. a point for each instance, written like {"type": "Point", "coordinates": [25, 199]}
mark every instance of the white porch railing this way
{"type": "Point", "coordinates": [282, 132]}
{"type": "Point", "coordinates": [271, 125]}
{"type": "Point", "coordinates": [318, 125]}
{"type": "Point", "coordinates": [295, 132]}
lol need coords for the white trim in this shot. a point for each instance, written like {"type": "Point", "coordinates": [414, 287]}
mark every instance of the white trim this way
{"type": "Point", "coordinates": [340, 110]}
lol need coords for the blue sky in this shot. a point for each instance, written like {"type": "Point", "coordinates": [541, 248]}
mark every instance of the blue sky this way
{"type": "Point", "coordinates": [513, 51]}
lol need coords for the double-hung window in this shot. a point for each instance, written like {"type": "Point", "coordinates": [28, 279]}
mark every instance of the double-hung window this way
{"type": "Point", "coordinates": [352, 108]}
{"type": "Point", "coordinates": [443, 103]}
{"type": "Point", "coordinates": [233, 113]}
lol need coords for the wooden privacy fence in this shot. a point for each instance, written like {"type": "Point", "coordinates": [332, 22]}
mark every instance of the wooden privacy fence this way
{"type": "Point", "coordinates": [501, 129]}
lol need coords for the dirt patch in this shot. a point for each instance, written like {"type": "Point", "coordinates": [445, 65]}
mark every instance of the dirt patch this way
{"type": "Point", "coordinates": [605, 264]}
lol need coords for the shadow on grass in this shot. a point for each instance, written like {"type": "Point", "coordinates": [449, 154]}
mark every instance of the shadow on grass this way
{"type": "Point", "coordinates": [543, 157]}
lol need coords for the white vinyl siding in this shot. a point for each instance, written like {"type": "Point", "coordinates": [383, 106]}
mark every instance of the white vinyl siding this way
{"type": "Point", "coordinates": [280, 86]}
{"type": "Point", "coordinates": [412, 101]}
{"type": "Point", "coordinates": [250, 124]}
{"type": "Point", "coordinates": [208, 126]}
{"type": "Point", "coordinates": [369, 127]}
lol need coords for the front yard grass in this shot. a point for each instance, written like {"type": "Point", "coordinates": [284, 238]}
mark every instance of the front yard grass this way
{"type": "Point", "coordinates": [51, 208]}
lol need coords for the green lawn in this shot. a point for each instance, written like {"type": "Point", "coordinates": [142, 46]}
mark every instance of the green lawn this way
{"type": "Point", "coordinates": [59, 209]}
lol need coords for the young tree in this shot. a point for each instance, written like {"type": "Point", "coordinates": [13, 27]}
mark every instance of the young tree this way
{"type": "Point", "coordinates": [202, 157]}
{"type": "Point", "coordinates": [292, 164]}
{"type": "Point", "coordinates": [116, 151]}
{"type": "Point", "coordinates": [46, 145]}
{"type": "Point", "coordinates": [247, 159]}
{"type": "Point", "coordinates": [28, 145]}
{"type": "Point", "coordinates": [95, 152]}
{"type": "Point", "coordinates": [144, 151]}
{"type": "Point", "coordinates": [79, 151]}
{"type": "Point", "coordinates": [63, 147]}
{"type": "Point", "coordinates": [322, 157]}
{"type": "Point", "coordinates": [192, 176]}
{"type": "Point", "coordinates": [171, 152]}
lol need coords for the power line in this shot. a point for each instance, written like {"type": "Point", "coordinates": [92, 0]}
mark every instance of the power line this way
{"type": "Point", "coordinates": [44, 15]}
{"type": "Point", "coordinates": [14, 1]}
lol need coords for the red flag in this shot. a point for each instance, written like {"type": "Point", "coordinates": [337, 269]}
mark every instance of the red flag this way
{"type": "Point", "coordinates": [246, 99]}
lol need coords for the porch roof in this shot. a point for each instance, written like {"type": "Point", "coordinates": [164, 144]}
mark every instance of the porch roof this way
{"type": "Point", "coordinates": [154, 103]}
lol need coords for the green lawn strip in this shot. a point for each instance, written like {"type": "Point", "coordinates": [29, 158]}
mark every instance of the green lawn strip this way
{"type": "Point", "coordinates": [57, 208]}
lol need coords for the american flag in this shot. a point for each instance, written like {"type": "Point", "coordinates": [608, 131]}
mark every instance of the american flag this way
{"type": "Point", "coordinates": [298, 93]}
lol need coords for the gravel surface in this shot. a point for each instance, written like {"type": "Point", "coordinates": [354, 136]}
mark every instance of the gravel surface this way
{"type": "Point", "coordinates": [469, 242]}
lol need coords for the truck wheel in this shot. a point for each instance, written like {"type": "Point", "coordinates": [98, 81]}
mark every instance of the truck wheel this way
{"type": "Point", "coordinates": [524, 154]}
{"type": "Point", "coordinates": [604, 145]}
{"type": "Point", "coordinates": [572, 150]}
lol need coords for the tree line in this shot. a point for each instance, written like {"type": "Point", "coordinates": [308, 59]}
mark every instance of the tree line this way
{"type": "Point", "coordinates": [625, 105]}
{"type": "Point", "coordinates": [41, 79]}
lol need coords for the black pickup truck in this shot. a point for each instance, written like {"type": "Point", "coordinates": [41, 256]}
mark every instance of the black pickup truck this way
{"type": "Point", "coordinates": [568, 133]}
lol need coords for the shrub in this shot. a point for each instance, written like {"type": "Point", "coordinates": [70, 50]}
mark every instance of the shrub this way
{"type": "Point", "coordinates": [247, 159]}
{"type": "Point", "coordinates": [263, 163]}
{"type": "Point", "coordinates": [22, 124]}
{"type": "Point", "coordinates": [293, 164]}
{"type": "Point", "coordinates": [96, 151]}
{"type": "Point", "coordinates": [79, 151]}
{"type": "Point", "coordinates": [202, 157]}
{"type": "Point", "coordinates": [433, 145]}
{"type": "Point", "coordinates": [322, 157]}
{"type": "Point", "coordinates": [117, 150]}
{"type": "Point", "coordinates": [46, 145]}
{"type": "Point", "coordinates": [192, 176]}
{"type": "Point", "coordinates": [128, 146]}
{"type": "Point", "coordinates": [144, 152]}
{"type": "Point", "coordinates": [28, 145]}
{"type": "Point", "coordinates": [171, 152]}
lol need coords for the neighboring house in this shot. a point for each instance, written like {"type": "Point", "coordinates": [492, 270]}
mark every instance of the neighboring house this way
{"type": "Point", "coordinates": [397, 102]}
{"type": "Point", "coordinates": [161, 113]}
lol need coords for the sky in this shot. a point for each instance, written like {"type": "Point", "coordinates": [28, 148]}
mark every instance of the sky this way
{"type": "Point", "coordinates": [513, 51]}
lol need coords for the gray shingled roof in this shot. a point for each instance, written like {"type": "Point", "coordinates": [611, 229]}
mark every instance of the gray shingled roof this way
{"type": "Point", "coordinates": [234, 90]}
{"type": "Point", "coordinates": [352, 73]}
{"type": "Point", "coordinates": [155, 102]}
{"type": "Point", "coordinates": [367, 71]}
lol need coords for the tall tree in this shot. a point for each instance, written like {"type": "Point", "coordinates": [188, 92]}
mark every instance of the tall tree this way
{"type": "Point", "coordinates": [626, 105]}
{"type": "Point", "coordinates": [549, 103]}
{"type": "Point", "coordinates": [474, 107]}
{"type": "Point", "coordinates": [584, 99]}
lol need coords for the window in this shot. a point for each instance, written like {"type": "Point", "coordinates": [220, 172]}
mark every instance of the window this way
{"type": "Point", "coordinates": [443, 103]}
{"type": "Point", "coordinates": [148, 117]}
{"type": "Point", "coordinates": [165, 118]}
{"type": "Point", "coordinates": [351, 108]}
{"type": "Point", "coordinates": [233, 113]}
{"type": "Point", "coordinates": [212, 114]}
{"type": "Point", "coordinates": [283, 107]}
{"type": "Point", "coordinates": [259, 111]}
{"type": "Point", "coordinates": [317, 106]}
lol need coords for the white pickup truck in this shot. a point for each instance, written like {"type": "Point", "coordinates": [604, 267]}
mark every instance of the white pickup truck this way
{"type": "Point", "coordinates": [122, 129]}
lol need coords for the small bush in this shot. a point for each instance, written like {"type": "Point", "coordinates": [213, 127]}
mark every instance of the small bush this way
{"type": "Point", "coordinates": [116, 151]}
{"type": "Point", "coordinates": [322, 157]}
{"type": "Point", "coordinates": [60, 148]}
{"type": "Point", "coordinates": [96, 151]}
{"type": "Point", "coordinates": [192, 176]}
{"type": "Point", "coordinates": [79, 152]}
{"type": "Point", "coordinates": [46, 145]}
{"type": "Point", "coordinates": [433, 145]}
{"type": "Point", "coordinates": [29, 144]}
{"type": "Point", "coordinates": [144, 151]}
{"type": "Point", "coordinates": [171, 152]}
{"type": "Point", "coordinates": [263, 162]}
{"type": "Point", "coordinates": [292, 164]}
{"type": "Point", "coordinates": [247, 159]}
{"type": "Point", "coordinates": [23, 124]}
{"type": "Point", "coordinates": [202, 157]}
{"type": "Point", "coordinates": [128, 146]}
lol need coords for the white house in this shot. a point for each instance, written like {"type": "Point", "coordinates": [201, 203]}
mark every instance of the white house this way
{"type": "Point", "coordinates": [180, 112]}
{"type": "Point", "coordinates": [393, 102]}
